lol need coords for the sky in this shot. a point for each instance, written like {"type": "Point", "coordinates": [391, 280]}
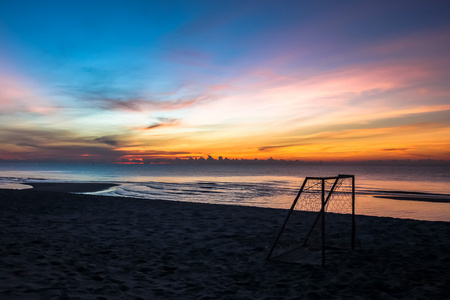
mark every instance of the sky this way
{"type": "Point", "coordinates": [122, 81]}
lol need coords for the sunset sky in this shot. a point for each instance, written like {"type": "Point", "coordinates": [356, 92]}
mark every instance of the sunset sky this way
{"type": "Point", "coordinates": [127, 80]}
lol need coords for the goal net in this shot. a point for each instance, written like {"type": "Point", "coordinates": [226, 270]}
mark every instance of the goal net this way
{"type": "Point", "coordinates": [322, 217]}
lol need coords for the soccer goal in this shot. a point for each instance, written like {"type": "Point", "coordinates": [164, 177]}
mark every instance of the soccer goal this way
{"type": "Point", "coordinates": [322, 217]}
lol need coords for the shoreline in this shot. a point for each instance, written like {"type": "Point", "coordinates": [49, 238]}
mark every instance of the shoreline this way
{"type": "Point", "coordinates": [90, 187]}
{"type": "Point", "coordinates": [383, 203]}
{"type": "Point", "coordinates": [76, 246]}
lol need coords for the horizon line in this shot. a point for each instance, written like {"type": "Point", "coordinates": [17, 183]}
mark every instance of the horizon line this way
{"type": "Point", "coordinates": [229, 161]}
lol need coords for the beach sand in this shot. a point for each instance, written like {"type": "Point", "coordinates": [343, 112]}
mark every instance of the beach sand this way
{"type": "Point", "coordinates": [67, 246]}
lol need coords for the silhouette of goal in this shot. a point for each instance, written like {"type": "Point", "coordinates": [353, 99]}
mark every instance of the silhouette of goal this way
{"type": "Point", "coordinates": [321, 217]}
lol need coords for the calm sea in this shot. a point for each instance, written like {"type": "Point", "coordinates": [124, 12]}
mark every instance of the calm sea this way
{"type": "Point", "coordinates": [254, 185]}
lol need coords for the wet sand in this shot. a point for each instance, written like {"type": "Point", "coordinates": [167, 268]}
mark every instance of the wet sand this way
{"type": "Point", "coordinates": [70, 187]}
{"type": "Point", "coordinates": [65, 246]}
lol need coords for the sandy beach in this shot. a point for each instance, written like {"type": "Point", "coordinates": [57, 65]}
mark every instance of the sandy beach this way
{"type": "Point", "coordinates": [56, 245]}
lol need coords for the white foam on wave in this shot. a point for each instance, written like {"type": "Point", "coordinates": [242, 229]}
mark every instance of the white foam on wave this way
{"type": "Point", "coordinates": [241, 193]}
{"type": "Point", "coordinates": [12, 183]}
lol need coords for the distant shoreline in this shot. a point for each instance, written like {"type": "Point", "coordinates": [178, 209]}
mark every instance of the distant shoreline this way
{"type": "Point", "coordinates": [413, 196]}
{"type": "Point", "coordinates": [409, 198]}
{"type": "Point", "coordinates": [240, 161]}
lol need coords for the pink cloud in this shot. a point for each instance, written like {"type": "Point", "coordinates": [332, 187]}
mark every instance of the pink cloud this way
{"type": "Point", "coordinates": [18, 96]}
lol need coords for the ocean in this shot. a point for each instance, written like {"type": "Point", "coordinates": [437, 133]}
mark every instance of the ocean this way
{"type": "Point", "coordinates": [260, 185]}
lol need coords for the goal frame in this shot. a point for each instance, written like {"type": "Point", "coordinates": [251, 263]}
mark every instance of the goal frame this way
{"type": "Point", "coordinates": [320, 214]}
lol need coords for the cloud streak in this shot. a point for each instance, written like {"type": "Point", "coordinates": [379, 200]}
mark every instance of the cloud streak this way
{"type": "Point", "coordinates": [163, 122]}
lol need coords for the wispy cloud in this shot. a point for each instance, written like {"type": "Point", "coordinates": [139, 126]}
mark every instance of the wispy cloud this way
{"type": "Point", "coordinates": [108, 140]}
{"type": "Point", "coordinates": [277, 147]}
{"type": "Point", "coordinates": [163, 122]}
{"type": "Point", "coordinates": [395, 149]}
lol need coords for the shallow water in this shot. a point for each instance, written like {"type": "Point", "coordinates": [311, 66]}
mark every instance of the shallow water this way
{"type": "Point", "coordinates": [272, 186]}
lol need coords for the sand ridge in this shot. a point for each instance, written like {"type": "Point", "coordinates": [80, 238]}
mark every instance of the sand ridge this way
{"type": "Point", "coordinates": [66, 246]}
